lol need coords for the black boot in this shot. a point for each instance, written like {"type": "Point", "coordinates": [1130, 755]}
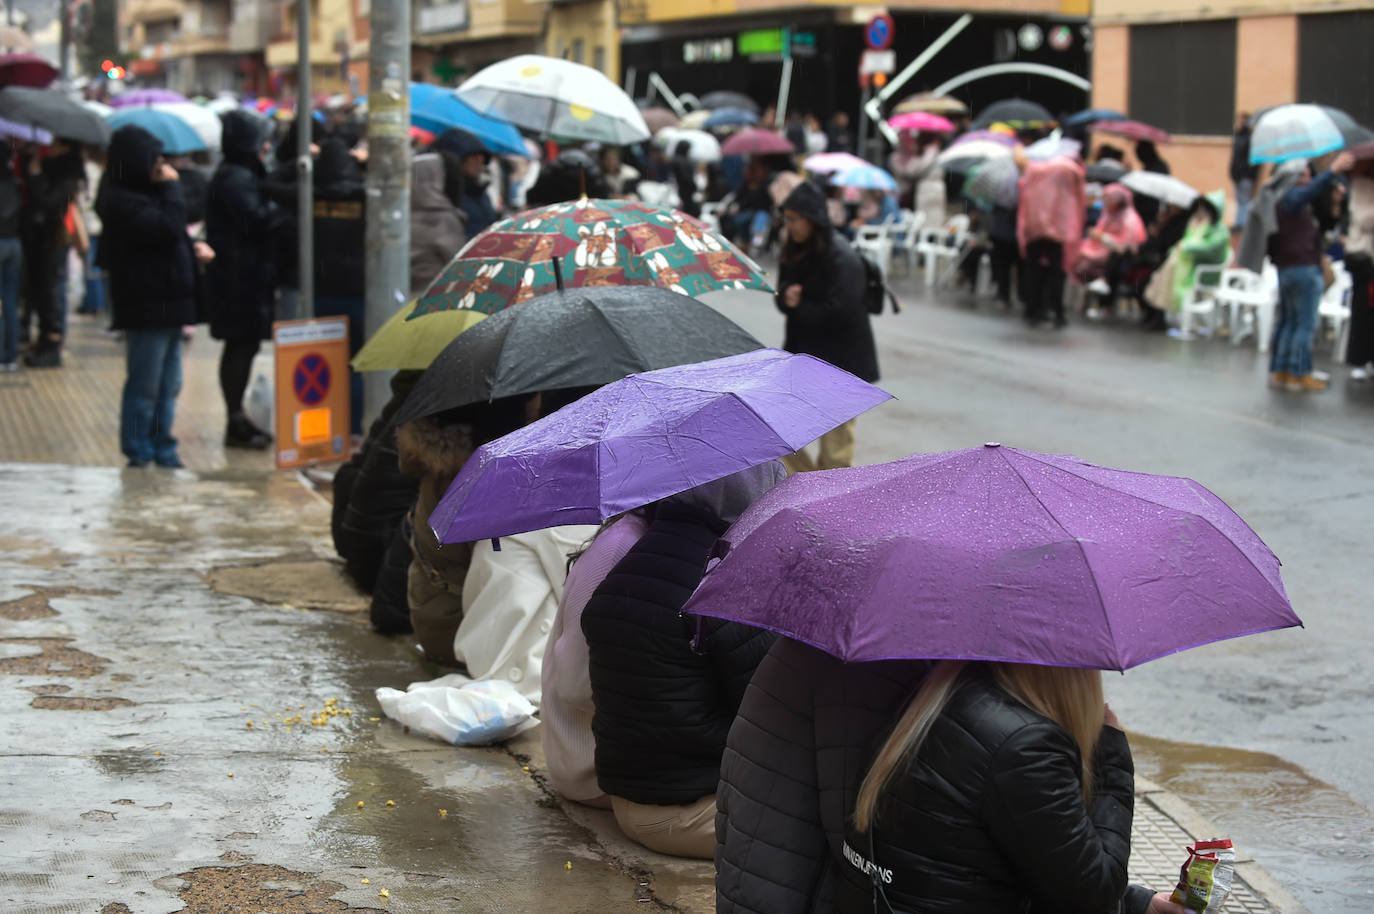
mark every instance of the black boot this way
{"type": "Point", "coordinates": [46, 353]}
{"type": "Point", "coordinates": [241, 433]}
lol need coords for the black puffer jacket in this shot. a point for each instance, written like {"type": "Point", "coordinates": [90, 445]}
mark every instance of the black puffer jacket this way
{"type": "Point", "coordinates": [990, 817]}
{"type": "Point", "coordinates": [340, 222]}
{"type": "Point", "coordinates": [241, 225]}
{"type": "Point", "coordinates": [806, 733]}
{"type": "Point", "coordinates": [831, 322]}
{"type": "Point", "coordinates": [144, 248]}
{"type": "Point", "coordinates": [662, 708]}
{"type": "Point", "coordinates": [799, 748]}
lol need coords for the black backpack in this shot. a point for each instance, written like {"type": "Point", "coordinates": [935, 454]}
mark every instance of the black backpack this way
{"type": "Point", "coordinates": [876, 292]}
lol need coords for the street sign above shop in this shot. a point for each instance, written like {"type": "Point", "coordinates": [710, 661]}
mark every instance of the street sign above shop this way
{"type": "Point", "coordinates": [877, 62]}
{"type": "Point", "coordinates": [879, 32]}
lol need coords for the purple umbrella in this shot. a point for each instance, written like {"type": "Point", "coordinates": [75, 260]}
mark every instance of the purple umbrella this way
{"type": "Point", "coordinates": [995, 553]}
{"type": "Point", "coordinates": [146, 97]}
{"type": "Point", "coordinates": [645, 437]}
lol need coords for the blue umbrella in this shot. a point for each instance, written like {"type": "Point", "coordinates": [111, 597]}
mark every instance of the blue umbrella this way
{"type": "Point", "coordinates": [177, 136]}
{"type": "Point", "coordinates": [1092, 116]}
{"type": "Point", "coordinates": [731, 117]}
{"type": "Point", "coordinates": [436, 109]}
{"type": "Point", "coordinates": [865, 177]}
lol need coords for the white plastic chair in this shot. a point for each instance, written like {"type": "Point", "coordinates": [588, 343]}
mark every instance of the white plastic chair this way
{"type": "Point", "coordinates": [906, 233]}
{"type": "Point", "coordinates": [1201, 303]}
{"type": "Point", "coordinates": [710, 214]}
{"type": "Point", "coordinates": [1335, 307]}
{"type": "Point", "coordinates": [876, 241]}
{"type": "Point", "coordinates": [942, 243]}
{"type": "Point", "coordinates": [1250, 299]}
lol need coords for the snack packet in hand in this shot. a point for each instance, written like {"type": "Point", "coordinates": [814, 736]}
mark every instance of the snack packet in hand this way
{"type": "Point", "coordinates": [1204, 880]}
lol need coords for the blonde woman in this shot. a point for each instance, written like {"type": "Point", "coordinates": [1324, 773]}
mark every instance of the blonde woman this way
{"type": "Point", "coordinates": [1002, 787]}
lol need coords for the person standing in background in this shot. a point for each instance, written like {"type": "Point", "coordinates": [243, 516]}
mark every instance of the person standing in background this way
{"type": "Point", "coordinates": [51, 184]}
{"type": "Point", "coordinates": [241, 226]}
{"type": "Point", "coordinates": [436, 225]}
{"type": "Point", "coordinates": [340, 243]}
{"type": "Point", "coordinates": [1049, 228]}
{"type": "Point", "coordinates": [1150, 160]}
{"type": "Point", "coordinates": [11, 259]}
{"type": "Point", "coordinates": [151, 263]}
{"type": "Point", "coordinates": [93, 301]}
{"type": "Point", "coordinates": [1242, 172]}
{"type": "Point", "coordinates": [1359, 260]}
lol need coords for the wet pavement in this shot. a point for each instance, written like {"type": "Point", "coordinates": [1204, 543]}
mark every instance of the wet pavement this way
{"type": "Point", "coordinates": [146, 617]}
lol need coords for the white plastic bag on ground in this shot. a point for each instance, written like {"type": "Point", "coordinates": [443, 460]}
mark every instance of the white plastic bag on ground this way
{"type": "Point", "coordinates": [260, 403]}
{"type": "Point", "coordinates": [457, 710]}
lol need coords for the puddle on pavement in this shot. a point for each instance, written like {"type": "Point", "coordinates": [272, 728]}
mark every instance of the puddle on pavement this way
{"type": "Point", "coordinates": [1314, 839]}
{"type": "Point", "coordinates": [310, 584]}
{"type": "Point", "coordinates": [55, 657]}
{"type": "Point", "coordinates": [78, 703]}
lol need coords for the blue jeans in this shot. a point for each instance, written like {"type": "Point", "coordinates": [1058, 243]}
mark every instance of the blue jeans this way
{"type": "Point", "coordinates": [1295, 325]}
{"type": "Point", "coordinates": [353, 308]}
{"type": "Point", "coordinates": [93, 302]}
{"type": "Point", "coordinates": [1245, 188]}
{"type": "Point", "coordinates": [11, 268]}
{"type": "Point", "coordinates": [153, 360]}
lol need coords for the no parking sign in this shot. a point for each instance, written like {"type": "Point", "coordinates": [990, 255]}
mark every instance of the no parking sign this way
{"type": "Point", "coordinates": [312, 390]}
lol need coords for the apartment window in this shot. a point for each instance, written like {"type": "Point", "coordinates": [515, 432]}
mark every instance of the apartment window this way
{"type": "Point", "coordinates": [1183, 76]}
{"type": "Point", "coordinates": [579, 51]}
{"type": "Point", "coordinates": [1333, 61]}
{"type": "Point", "coordinates": [599, 59]}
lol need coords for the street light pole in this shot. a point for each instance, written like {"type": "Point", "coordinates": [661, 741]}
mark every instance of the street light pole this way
{"type": "Point", "coordinates": [387, 264]}
{"type": "Point", "coordinates": [305, 170]}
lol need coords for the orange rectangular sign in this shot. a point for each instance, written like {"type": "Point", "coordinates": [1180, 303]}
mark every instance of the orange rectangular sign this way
{"type": "Point", "coordinates": [312, 391]}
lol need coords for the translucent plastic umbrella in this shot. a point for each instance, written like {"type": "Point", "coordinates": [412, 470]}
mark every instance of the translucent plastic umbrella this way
{"type": "Point", "coordinates": [1294, 132]}
{"type": "Point", "coordinates": [557, 98]}
{"type": "Point", "coordinates": [702, 146]}
{"type": "Point", "coordinates": [995, 182]}
{"type": "Point", "coordinates": [1164, 188]}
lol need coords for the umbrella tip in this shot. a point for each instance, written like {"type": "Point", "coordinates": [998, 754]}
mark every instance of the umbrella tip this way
{"type": "Point", "coordinates": [993, 444]}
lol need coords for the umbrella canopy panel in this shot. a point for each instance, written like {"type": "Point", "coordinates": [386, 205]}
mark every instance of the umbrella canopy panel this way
{"type": "Point", "coordinates": [54, 112]}
{"type": "Point", "coordinates": [177, 136]}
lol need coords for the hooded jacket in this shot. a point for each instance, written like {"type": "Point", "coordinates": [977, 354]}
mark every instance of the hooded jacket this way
{"type": "Point", "coordinates": [340, 222]}
{"type": "Point", "coordinates": [666, 686]}
{"type": "Point", "coordinates": [470, 195]}
{"type": "Point", "coordinates": [831, 322]}
{"type": "Point", "coordinates": [1122, 225]}
{"type": "Point", "coordinates": [1262, 219]}
{"type": "Point", "coordinates": [1202, 246]}
{"type": "Point", "coordinates": [145, 249]}
{"type": "Point", "coordinates": [243, 227]}
{"type": "Point", "coordinates": [436, 228]}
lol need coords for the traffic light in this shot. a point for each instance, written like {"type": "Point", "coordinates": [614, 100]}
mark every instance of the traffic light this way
{"type": "Point", "coordinates": [113, 70]}
{"type": "Point", "coordinates": [879, 80]}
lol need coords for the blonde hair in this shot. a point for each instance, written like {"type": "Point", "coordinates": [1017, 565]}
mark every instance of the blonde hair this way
{"type": "Point", "coordinates": [1070, 697]}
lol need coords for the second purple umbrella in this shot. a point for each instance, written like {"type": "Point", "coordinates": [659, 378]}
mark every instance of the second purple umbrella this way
{"type": "Point", "coordinates": [995, 553]}
{"type": "Point", "coordinates": [645, 437]}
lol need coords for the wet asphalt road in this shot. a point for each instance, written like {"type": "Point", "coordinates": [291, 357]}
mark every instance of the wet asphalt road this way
{"type": "Point", "coordinates": [1297, 467]}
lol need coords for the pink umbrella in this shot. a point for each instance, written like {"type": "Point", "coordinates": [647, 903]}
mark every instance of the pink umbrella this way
{"type": "Point", "coordinates": [826, 162]}
{"type": "Point", "coordinates": [1134, 130]}
{"type": "Point", "coordinates": [921, 122]}
{"type": "Point", "coordinates": [755, 142]}
{"type": "Point", "coordinates": [26, 70]}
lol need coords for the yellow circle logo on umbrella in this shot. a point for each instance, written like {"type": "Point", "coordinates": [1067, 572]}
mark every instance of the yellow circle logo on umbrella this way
{"type": "Point", "coordinates": [581, 112]}
{"type": "Point", "coordinates": [531, 71]}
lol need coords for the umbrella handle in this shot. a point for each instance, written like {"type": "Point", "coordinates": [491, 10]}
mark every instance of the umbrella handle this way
{"type": "Point", "coordinates": [557, 273]}
{"type": "Point", "coordinates": [495, 544]}
{"type": "Point", "coordinates": [696, 643]}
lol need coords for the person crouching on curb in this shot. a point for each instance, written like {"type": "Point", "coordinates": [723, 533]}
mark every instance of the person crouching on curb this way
{"type": "Point", "coordinates": [821, 285]}
{"type": "Point", "coordinates": [151, 264]}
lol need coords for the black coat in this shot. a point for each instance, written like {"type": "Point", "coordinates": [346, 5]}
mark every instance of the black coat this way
{"type": "Point", "coordinates": [832, 322]}
{"type": "Point", "coordinates": [798, 750]}
{"type": "Point", "coordinates": [241, 225]}
{"type": "Point", "coordinates": [468, 195]}
{"type": "Point", "coordinates": [662, 708]}
{"type": "Point", "coordinates": [989, 817]}
{"type": "Point", "coordinates": [340, 222]}
{"type": "Point", "coordinates": [144, 247]}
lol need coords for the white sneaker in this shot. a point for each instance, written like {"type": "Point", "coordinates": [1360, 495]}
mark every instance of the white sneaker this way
{"type": "Point", "coordinates": [7, 367]}
{"type": "Point", "coordinates": [1100, 287]}
{"type": "Point", "coordinates": [1093, 314]}
{"type": "Point", "coordinates": [1359, 373]}
{"type": "Point", "coordinates": [1322, 375]}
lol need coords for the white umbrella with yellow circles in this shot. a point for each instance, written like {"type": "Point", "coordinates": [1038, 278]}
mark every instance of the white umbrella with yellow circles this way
{"type": "Point", "coordinates": [555, 98]}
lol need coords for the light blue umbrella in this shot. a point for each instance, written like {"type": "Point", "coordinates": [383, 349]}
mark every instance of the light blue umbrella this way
{"type": "Point", "coordinates": [731, 117]}
{"type": "Point", "coordinates": [177, 136]}
{"type": "Point", "coordinates": [865, 177]}
{"type": "Point", "coordinates": [1091, 116]}
{"type": "Point", "coordinates": [436, 109]}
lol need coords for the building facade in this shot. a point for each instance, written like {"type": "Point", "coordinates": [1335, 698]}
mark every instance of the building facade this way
{"type": "Point", "coordinates": [1193, 71]}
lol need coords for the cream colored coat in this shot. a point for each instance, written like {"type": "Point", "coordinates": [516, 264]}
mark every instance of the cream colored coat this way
{"type": "Point", "coordinates": [510, 598]}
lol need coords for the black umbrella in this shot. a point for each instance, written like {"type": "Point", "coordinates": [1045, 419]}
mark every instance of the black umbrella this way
{"type": "Point", "coordinates": [728, 99]}
{"type": "Point", "coordinates": [1014, 112]}
{"type": "Point", "coordinates": [55, 113]}
{"type": "Point", "coordinates": [1107, 171]}
{"type": "Point", "coordinates": [582, 337]}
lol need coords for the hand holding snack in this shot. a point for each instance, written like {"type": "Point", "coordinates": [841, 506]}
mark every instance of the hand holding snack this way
{"type": "Point", "coordinates": [1162, 904]}
{"type": "Point", "coordinates": [1204, 880]}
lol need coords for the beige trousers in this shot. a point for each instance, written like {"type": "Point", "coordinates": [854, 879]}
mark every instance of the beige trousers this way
{"type": "Point", "coordinates": [836, 451]}
{"type": "Point", "coordinates": [680, 831]}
